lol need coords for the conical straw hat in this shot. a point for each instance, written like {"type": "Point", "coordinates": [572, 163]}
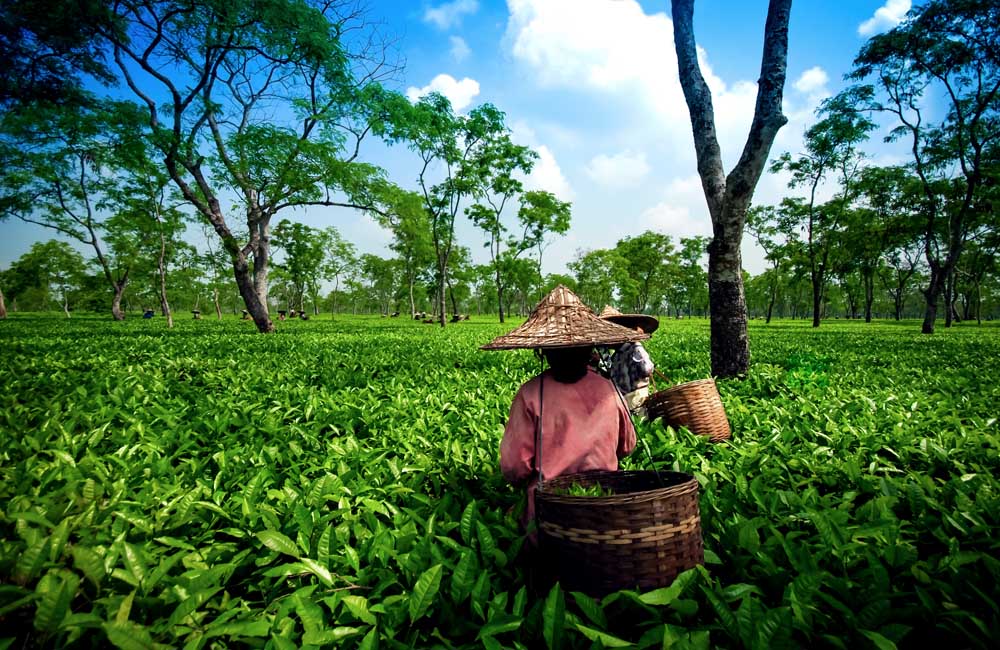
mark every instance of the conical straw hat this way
{"type": "Point", "coordinates": [649, 324]}
{"type": "Point", "coordinates": [561, 320]}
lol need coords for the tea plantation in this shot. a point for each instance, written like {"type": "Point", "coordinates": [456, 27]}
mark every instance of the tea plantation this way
{"type": "Point", "coordinates": [337, 485]}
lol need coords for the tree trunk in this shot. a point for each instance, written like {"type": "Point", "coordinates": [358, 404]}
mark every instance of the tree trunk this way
{"type": "Point", "coordinates": [215, 299]}
{"type": "Point", "coordinates": [931, 294]}
{"type": "Point", "coordinates": [3, 307]}
{"type": "Point", "coordinates": [729, 343]}
{"type": "Point", "coordinates": [729, 197]}
{"type": "Point", "coordinates": [817, 290]}
{"type": "Point", "coordinates": [499, 293]}
{"type": "Point", "coordinates": [869, 279]}
{"type": "Point", "coordinates": [161, 267]}
{"type": "Point", "coordinates": [245, 282]}
{"type": "Point", "coordinates": [116, 302]}
{"type": "Point", "coordinates": [979, 303]}
{"type": "Point", "coordinates": [441, 297]}
{"type": "Point", "coordinates": [770, 302]}
{"type": "Point", "coordinates": [261, 263]}
{"type": "Point", "coordinates": [454, 304]}
{"type": "Point", "coordinates": [336, 292]}
{"type": "Point", "coordinates": [65, 304]}
{"type": "Point", "coordinates": [413, 306]}
{"type": "Point", "coordinates": [949, 287]}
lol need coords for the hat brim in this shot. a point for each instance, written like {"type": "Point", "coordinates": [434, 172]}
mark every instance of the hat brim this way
{"type": "Point", "coordinates": [649, 324]}
{"type": "Point", "coordinates": [561, 320]}
{"type": "Point", "coordinates": [527, 337]}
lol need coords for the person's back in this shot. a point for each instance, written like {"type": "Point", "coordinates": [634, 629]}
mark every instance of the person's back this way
{"type": "Point", "coordinates": [584, 428]}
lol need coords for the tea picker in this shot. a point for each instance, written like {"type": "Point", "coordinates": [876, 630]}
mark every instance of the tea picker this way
{"type": "Point", "coordinates": [695, 405]}
{"type": "Point", "coordinates": [569, 426]}
{"type": "Point", "coordinates": [629, 366]}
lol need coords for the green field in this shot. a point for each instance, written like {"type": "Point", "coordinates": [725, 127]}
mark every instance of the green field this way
{"type": "Point", "coordinates": [337, 485]}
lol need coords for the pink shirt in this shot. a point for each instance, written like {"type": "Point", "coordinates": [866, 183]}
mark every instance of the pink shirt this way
{"type": "Point", "coordinates": [585, 427]}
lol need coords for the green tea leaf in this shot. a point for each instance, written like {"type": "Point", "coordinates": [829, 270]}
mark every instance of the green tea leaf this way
{"type": "Point", "coordinates": [56, 591]}
{"type": "Point", "coordinates": [554, 618]}
{"type": "Point", "coordinates": [358, 606]}
{"type": "Point", "coordinates": [88, 563]}
{"type": "Point", "coordinates": [464, 576]}
{"type": "Point", "coordinates": [606, 640]}
{"type": "Point", "coordinates": [880, 641]}
{"type": "Point", "coordinates": [502, 623]}
{"type": "Point", "coordinates": [468, 521]}
{"type": "Point", "coordinates": [129, 636]}
{"type": "Point", "coordinates": [424, 592]}
{"type": "Point", "coordinates": [278, 542]}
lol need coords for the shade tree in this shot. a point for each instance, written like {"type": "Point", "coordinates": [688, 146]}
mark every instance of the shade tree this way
{"type": "Point", "coordinates": [265, 102]}
{"type": "Point", "coordinates": [304, 250]}
{"type": "Point", "coordinates": [64, 169]}
{"type": "Point", "coordinates": [49, 271]}
{"type": "Point", "coordinates": [729, 196]}
{"type": "Point", "coordinates": [455, 152]}
{"type": "Point", "coordinates": [501, 165]}
{"type": "Point", "coordinates": [412, 240]}
{"type": "Point", "coordinates": [832, 148]}
{"type": "Point", "coordinates": [936, 75]}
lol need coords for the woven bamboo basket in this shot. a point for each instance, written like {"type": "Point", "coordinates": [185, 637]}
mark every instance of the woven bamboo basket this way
{"type": "Point", "coordinates": [695, 405]}
{"type": "Point", "coordinates": [641, 537]}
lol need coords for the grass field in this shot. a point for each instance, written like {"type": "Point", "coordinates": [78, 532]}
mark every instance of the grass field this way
{"type": "Point", "coordinates": [337, 484]}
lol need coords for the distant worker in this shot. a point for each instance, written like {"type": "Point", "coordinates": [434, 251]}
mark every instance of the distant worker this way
{"type": "Point", "coordinates": [630, 366]}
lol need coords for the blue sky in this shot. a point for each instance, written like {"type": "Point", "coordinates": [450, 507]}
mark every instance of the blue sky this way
{"type": "Point", "coordinates": [592, 86]}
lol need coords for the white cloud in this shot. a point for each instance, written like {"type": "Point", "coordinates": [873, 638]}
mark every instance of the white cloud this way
{"type": "Point", "coordinates": [459, 48]}
{"type": "Point", "coordinates": [885, 17]}
{"type": "Point", "coordinates": [812, 84]}
{"type": "Point", "coordinates": [547, 175]}
{"type": "Point", "coordinates": [622, 170]}
{"type": "Point", "coordinates": [449, 14]}
{"type": "Point", "coordinates": [683, 213]}
{"type": "Point", "coordinates": [459, 93]}
{"type": "Point", "coordinates": [617, 50]}
{"type": "Point", "coordinates": [813, 79]}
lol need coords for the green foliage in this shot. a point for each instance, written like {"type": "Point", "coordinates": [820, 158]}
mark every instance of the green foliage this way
{"type": "Point", "coordinates": [337, 485]}
{"type": "Point", "coordinates": [578, 490]}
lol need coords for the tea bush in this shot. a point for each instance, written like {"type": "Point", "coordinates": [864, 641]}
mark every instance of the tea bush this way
{"type": "Point", "coordinates": [337, 484]}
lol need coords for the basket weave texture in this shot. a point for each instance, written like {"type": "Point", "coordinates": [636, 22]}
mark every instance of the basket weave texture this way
{"type": "Point", "coordinates": [695, 405]}
{"type": "Point", "coordinates": [561, 320]}
{"type": "Point", "coordinates": [639, 538]}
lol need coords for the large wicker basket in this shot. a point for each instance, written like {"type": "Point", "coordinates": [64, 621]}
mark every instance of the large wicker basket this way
{"type": "Point", "coordinates": [641, 537]}
{"type": "Point", "coordinates": [695, 405]}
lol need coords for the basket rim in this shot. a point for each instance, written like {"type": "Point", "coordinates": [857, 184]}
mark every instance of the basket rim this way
{"type": "Point", "coordinates": [684, 486]}
{"type": "Point", "coordinates": [697, 383]}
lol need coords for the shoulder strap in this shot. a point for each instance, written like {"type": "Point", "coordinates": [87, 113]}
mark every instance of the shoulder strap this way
{"type": "Point", "coordinates": [538, 430]}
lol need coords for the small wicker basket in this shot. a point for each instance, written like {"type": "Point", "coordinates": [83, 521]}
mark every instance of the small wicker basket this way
{"type": "Point", "coordinates": [695, 405]}
{"type": "Point", "coordinates": [641, 537]}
